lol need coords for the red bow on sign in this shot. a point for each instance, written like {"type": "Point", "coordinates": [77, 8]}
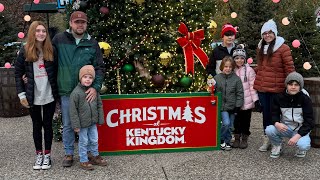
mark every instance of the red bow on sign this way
{"type": "Point", "coordinates": [191, 46]}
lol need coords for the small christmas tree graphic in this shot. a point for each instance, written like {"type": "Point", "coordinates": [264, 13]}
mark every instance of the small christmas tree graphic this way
{"type": "Point", "coordinates": [187, 113]}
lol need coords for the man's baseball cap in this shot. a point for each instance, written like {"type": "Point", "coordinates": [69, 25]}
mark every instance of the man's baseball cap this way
{"type": "Point", "coordinates": [78, 15]}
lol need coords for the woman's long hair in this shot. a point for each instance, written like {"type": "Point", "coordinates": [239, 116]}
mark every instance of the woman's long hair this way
{"type": "Point", "coordinates": [31, 50]}
{"type": "Point", "coordinates": [269, 50]}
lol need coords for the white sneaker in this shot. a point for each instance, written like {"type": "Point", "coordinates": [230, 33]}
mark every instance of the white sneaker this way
{"type": "Point", "coordinates": [266, 144]}
{"type": "Point", "coordinates": [300, 153]}
{"type": "Point", "coordinates": [39, 160]}
{"type": "Point", "coordinates": [228, 147]}
{"type": "Point", "coordinates": [223, 146]}
{"type": "Point", "coordinates": [46, 162]}
{"type": "Point", "coordinates": [276, 151]}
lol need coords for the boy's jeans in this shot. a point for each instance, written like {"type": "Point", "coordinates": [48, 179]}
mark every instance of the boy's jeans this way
{"type": "Point", "coordinates": [68, 133]}
{"type": "Point", "coordinates": [225, 132]}
{"type": "Point", "coordinates": [88, 140]}
{"type": "Point", "coordinates": [276, 136]}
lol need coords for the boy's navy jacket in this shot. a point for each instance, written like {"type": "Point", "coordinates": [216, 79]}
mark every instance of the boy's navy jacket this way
{"type": "Point", "coordinates": [217, 54]}
{"type": "Point", "coordinates": [293, 110]}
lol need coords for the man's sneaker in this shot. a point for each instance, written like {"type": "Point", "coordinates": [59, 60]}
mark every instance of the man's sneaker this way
{"type": "Point", "coordinates": [300, 153]}
{"type": "Point", "coordinates": [223, 145]}
{"type": "Point", "coordinates": [228, 147]}
{"type": "Point", "coordinates": [46, 162]}
{"type": "Point", "coordinates": [68, 161]}
{"type": "Point", "coordinates": [276, 151]}
{"type": "Point", "coordinates": [266, 144]}
{"type": "Point", "coordinates": [38, 163]}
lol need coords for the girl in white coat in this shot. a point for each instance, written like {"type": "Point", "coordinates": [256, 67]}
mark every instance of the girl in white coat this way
{"type": "Point", "coordinates": [243, 117]}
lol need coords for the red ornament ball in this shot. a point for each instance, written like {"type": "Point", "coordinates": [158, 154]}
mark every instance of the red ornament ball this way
{"type": "Point", "coordinates": [158, 80]}
{"type": "Point", "coordinates": [104, 10]}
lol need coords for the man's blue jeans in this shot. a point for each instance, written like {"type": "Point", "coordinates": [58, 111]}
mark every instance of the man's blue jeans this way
{"type": "Point", "coordinates": [276, 136]}
{"type": "Point", "coordinates": [68, 133]}
{"type": "Point", "coordinates": [225, 131]}
{"type": "Point", "coordinates": [88, 141]}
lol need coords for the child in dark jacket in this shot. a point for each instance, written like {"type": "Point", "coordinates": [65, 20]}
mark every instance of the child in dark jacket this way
{"type": "Point", "coordinates": [230, 86]}
{"type": "Point", "coordinates": [84, 117]}
{"type": "Point", "coordinates": [292, 117]}
{"type": "Point", "coordinates": [228, 35]}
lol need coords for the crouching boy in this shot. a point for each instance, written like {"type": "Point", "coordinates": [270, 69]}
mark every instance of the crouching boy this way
{"type": "Point", "coordinates": [292, 117]}
{"type": "Point", "coordinates": [84, 117]}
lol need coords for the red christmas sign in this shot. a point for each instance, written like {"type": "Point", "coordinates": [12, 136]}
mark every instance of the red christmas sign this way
{"type": "Point", "coordinates": [159, 122]}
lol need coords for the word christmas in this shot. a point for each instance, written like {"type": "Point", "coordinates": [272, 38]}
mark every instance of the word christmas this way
{"type": "Point", "coordinates": [156, 113]}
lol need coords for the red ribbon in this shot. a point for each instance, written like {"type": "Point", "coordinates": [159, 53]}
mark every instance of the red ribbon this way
{"type": "Point", "coordinates": [191, 46]}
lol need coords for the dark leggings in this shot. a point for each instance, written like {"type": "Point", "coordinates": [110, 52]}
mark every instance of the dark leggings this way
{"type": "Point", "coordinates": [266, 103]}
{"type": "Point", "coordinates": [242, 122]}
{"type": "Point", "coordinates": [44, 121]}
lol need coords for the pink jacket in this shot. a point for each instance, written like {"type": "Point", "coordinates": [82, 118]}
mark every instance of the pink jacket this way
{"type": "Point", "coordinates": [250, 94]}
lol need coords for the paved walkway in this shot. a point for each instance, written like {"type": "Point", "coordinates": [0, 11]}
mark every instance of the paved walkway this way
{"type": "Point", "coordinates": [17, 157]}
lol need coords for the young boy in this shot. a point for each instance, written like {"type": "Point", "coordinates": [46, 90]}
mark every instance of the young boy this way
{"type": "Point", "coordinates": [292, 117]}
{"type": "Point", "coordinates": [228, 35]}
{"type": "Point", "coordinates": [84, 117]}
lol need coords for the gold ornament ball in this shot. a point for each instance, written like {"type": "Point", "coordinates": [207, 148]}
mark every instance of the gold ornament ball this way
{"type": "Point", "coordinates": [106, 48]}
{"type": "Point", "coordinates": [165, 58]}
{"type": "Point", "coordinates": [213, 24]}
{"type": "Point", "coordinates": [139, 2]}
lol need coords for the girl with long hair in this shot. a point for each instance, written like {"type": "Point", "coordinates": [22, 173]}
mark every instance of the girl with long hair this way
{"type": "Point", "coordinates": [275, 62]}
{"type": "Point", "coordinates": [37, 61]}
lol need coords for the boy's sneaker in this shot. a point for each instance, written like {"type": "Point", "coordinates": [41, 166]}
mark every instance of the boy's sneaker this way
{"type": "Point", "coordinates": [276, 151]}
{"type": "Point", "coordinates": [86, 166]}
{"type": "Point", "coordinates": [223, 145]}
{"type": "Point", "coordinates": [39, 160]}
{"type": "Point", "coordinates": [228, 147]}
{"type": "Point", "coordinates": [300, 153]}
{"type": "Point", "coordinates": [97, 160]}
{"type": "Point", "coordinates": [266, 144]}
{"type": "Point", "coordinates": [67, 161]}
{"type": "Point", "coordinates": [46, 162]}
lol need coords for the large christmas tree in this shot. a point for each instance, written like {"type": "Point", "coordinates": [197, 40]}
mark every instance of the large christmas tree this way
{"type": "Point", "coordinates": [8, 36]}
{"type": "Point", "coordinates": [143, 38]}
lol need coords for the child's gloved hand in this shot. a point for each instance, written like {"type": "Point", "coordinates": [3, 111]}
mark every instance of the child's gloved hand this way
{"type": "Point", "coordinates": [24, 103]}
